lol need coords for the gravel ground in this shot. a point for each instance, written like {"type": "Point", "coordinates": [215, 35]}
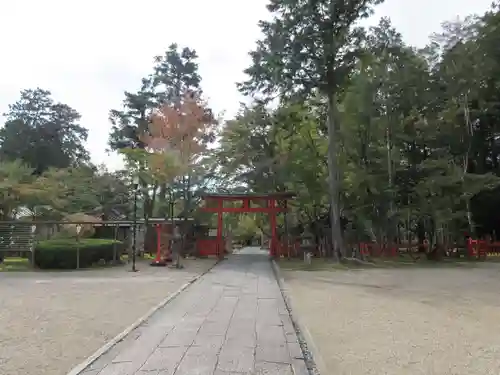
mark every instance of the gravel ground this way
{"type": "Point", "coordinates": [50, 322]}
{"type": "Point", "coordinates": [401, 321]}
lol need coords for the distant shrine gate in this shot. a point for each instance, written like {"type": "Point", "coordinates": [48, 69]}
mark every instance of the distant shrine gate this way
{"type": "Point", "coordinates": [272, 204]}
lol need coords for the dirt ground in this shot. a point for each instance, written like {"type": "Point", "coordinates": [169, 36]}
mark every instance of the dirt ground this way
{"type": "Point", "coordinates": [50, 322]}
{"type": "Point", "coordinates": [432, 321]}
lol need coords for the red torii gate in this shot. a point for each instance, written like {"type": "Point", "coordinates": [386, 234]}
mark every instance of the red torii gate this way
{"type": "Point", "coordinates": [274, 204]}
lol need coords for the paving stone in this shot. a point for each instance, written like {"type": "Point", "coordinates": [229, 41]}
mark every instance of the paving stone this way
{"type": "Point", "coordinates": [267, 368]}
{"type": "Point", "coordinates": [226, 304]}
{"type": "Point", "coordinates": [217, 317]}
{"type": "Point", "coordinates": [192, 322]}
{"type": "Point", "coordinates": [282, 309]}
{"type": "Point", "coordinates": [243, 323]}
{"type": "Point", "coordinates": [246, 333]}
{"type": "Point", "coordinates": [232, 293]}
{"type": "Point", "coordinates": [160, 330]}
{"type": "Point", "coordinates": [220, 372]}
{"type": "Point", "coordinates": [165, 359]}
{"type": "Point", "coordinates": [287, 323]}
{"type": "Point", "coordinates": [91, 372]}
{"type": "Point", "coordinates": [179, 337]}
{"type": "Point", "coordinates": [268, 316]}
{"type": "Point", "coordinates": [204, 343]}
{"type": "Point", "coordinates": [122, 368]}
{"type": "Point", "coordinates": [295, 350]}
{"type": "Point", "coordinates": [221, 325]}
{"type": "Point", "coordinates": [236, 359]}
{"type": "Point", "coordinates": [291, 337]}
{"type": "Point", "coordinates": [103, 360]}
{"type": "Point", "coordinates": [267, 320]}
{"type": "Point", "coordinates": [239, 341]}
{"type": "Point", "coordinates": [202, 364]}
{"type": "Point", "coordinates": [142, 348]}
{"type": "Point", "coordinates": [246, 304]}
{"type": "Point", "coordinates": [211, 328]}
{"type": "Point", "coordinates": [270, 335]}
{"type": "Point", "coordinates": [164, 317]}
{"type": "Point", "coordinates": [299, 367]}
{"type": "Point", "coordinates": [273, 353]}
{"type": "Point", "coordinates": [249, 292]}
{"type": "Point", "coordinates": [242, 338]}
{"type": "Point", "coordinates": [248, 315]}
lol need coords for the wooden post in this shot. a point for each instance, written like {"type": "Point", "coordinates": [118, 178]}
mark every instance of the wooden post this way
{"type": "Point", "coordinates": [220, 245]}
{"type": "Point", "coordinates": [158, 241]}
{"type": "Point", "coordinates": [33, 244]}
{"type": "Point", "coordinates": [115, 237]}
{"type": "Point", "coordinates": [287, 235]}
{"type": "Point", "coordinates": [78, 229]}
{"type": "Point", "coordinates": [272, 220]}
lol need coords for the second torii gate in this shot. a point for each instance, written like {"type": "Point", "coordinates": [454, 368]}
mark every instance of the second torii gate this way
{"type": "Point", "coordinates": [274, 204]}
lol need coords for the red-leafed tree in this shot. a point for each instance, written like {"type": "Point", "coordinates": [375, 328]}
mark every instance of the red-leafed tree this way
{"type": "Point", "coordinates": [179, 132]}
{"type": "Point", "coordinates": [176, 140]}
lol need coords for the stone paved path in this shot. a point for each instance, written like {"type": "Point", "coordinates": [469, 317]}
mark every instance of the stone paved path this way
{"type": "Point", "coordinates": [233, 321]}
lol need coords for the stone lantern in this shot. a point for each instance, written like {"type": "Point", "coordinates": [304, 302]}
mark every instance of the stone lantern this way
{"type": "Point", "coordinates": [307, 246]}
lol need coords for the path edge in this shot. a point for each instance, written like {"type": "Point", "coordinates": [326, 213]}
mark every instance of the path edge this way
{"type": "Point", "coordinates": [80, 368]}
{"type": "Point", "coordinates": [314, 360]}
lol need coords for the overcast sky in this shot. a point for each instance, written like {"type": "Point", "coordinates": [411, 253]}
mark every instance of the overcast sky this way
{"type": "Point", "coordinates": [88, 52]}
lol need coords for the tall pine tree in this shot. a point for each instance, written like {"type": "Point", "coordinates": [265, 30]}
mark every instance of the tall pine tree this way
{"type": "Point", "coordinates": [310, 47]}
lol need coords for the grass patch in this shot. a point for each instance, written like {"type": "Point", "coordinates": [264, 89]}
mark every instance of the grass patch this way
{"type": "Point", "coordinates": [15, 264]}
{"type": "Point", "coordinates": [321, 264]}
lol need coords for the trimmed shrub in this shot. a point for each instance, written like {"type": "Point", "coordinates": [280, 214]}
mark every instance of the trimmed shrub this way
{"type": "Point", "coordinates": [61, 253]}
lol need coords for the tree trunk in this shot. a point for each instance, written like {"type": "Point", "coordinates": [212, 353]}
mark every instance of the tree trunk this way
{"type": "Point", "coordinates": [148, 211]}
{"type": "Point", "coordinates": [470, 134]}
{"type": "Point", "coordinates": [337, 241]}
{"type": "Point", "coordinates": [391, 226]}
{"type": "Point", "coordinates": [186, 180]}
{"type": "Point", "coordinates": [470, 221]}
{"type": "Point", "coordinates": [162, 201]}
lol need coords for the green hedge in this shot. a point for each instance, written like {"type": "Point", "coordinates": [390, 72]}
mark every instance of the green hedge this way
{"type": "Point", "coordinates": [61, 253]}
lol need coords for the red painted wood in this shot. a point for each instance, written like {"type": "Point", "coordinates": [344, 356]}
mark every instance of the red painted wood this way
{"type": "Point", "coordinates": [220, 246]}
{"type": "Point", "coordinates": [246, 199]}
{"type": "Point", "coordinates": [272, 221]}
{"type": "Point", "coordinates": [277, 196]}
{"type": "Point", "coordinates": [207, 247]}
{"type": "Point", "coordinates": [158, 243]}
{"type": "Point", "coordinates": [243, 210]}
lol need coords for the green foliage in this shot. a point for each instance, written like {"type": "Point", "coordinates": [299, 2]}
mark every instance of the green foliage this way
{"type": "Point", "coordinates": [42, 133]}
{"type": "Point", "coordinates": [62, 253]}
{"type": "Point", "coordinates": [45, 169]}
{"type": "Point", "coordinates": [58, 192]}
{"type": "Point", "coordinates": [414, 132]}
{"type": "Point", "coordinates": [15, 186]}
{"type": "Point", "coordinates": [308, 46]}
{"type": "Point", "coordinates": [246, 229]}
